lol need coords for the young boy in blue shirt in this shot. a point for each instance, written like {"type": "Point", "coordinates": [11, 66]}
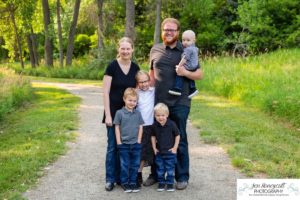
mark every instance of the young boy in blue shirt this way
{"type": "Point", "coordinates": [128, 127]}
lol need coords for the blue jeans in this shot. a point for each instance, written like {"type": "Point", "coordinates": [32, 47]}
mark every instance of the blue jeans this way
{"type": "Point", "coordinates": [178, 84]}
{"type": "Point", "coordinates": [112, 163]}
{"type": "Point", "coordinates": [130, 158]}
{"type": "Point", "coordinates": [165, 164]}
{"type": "Point", "coordinates": [179, 114]}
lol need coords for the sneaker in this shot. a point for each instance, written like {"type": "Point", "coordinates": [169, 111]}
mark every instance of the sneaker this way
{"type": "Point", "coordinates": [150, 181]}
{"type": "Point", "coordinates": [126, 188]}
{"type": "Point", "coordinates": [181, 185]}
{"type": "Point", "coordinates": [170, 188]}
{"type": "Point", "coordinates": [161, 187]}
{"type": "Point", "coordinates": [109, 186]}
{"type": "Point", "coordinates": [175, 92]}
{"type": "Point", "coordinates": [193, 93]}
{"type": "Point", "coordinates": [135, 188]}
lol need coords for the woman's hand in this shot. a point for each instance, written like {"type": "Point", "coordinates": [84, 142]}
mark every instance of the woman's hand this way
{"type": "Point", "coordinates": [108, 120]}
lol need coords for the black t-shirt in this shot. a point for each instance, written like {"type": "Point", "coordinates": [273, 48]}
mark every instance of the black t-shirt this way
{"type": "Point", "coordinates": [119, 83]}
{"type": "Point", "coordinates": [165, 135]}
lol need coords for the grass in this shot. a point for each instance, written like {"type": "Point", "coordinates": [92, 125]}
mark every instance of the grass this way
{"type": "Point", "coordinates": [35, 136]}
{"type": "Point", "coordinates": [256, 142]}
{"type": "Point", "coordinates": [15, 91]}
{"type": "Point", "coordinates": [270, 82]}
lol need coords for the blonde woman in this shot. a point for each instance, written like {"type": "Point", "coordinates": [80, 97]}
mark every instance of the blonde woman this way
{"type": "Point", "coordinates": [119, 75]}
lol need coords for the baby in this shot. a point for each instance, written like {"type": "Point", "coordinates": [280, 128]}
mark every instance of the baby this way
{"type": "Point", "coordinates": [190, 56]}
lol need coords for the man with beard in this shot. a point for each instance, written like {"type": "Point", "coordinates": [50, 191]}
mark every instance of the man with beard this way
{"type": "Point", "coordinates": [164, 59]}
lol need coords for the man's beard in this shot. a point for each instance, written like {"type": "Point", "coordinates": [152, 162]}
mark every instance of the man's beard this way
{"type": "Point", "coordinates": [166, 42]}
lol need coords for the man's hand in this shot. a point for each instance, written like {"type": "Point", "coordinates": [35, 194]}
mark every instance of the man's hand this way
{"type": "Point", "coordinates": [180, 70]}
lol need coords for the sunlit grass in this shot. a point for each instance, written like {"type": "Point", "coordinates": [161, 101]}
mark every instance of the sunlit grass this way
{"type": "Point", "coordinates": [255, 142]}
{"type": "Point", "coordinates": [270, 82]}
{"type": "Point", "coordinates": [35, 136]}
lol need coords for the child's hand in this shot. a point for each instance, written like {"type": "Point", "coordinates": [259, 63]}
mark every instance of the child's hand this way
{"type": "Point", "coordinates": [155, 151]}
{"type": "Point", "coordinates": [173, 150]}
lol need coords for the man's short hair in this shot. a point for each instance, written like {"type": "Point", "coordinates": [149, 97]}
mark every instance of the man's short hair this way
{"type": "Point", "coordinates": [172, 20]}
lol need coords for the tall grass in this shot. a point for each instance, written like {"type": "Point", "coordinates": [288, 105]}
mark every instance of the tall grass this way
{"type": "Point", "coordinates": [15, 90]}
{"type": "Point", "coordinates": [270, 82]}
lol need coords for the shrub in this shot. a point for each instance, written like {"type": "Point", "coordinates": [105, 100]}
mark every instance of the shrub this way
{"type": "Point", "coordinates": [82, 45]}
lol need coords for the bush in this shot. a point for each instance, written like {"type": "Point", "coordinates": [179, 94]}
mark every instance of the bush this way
{"type": "Point", "coordinates": [82, 45]}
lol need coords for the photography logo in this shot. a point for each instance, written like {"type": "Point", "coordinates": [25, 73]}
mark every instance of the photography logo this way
{"type": "Point", "coordinates": [264, 189]}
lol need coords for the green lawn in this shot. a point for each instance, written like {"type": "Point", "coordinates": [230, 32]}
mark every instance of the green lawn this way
{"type": "Point", "coordinates": [35, 136]}
{"type": "Point", "coordinates": [255, 141]}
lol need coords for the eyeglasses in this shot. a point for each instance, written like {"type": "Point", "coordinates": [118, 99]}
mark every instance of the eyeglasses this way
{"type": "Point", "coordinates": [170, 30]}
{"type": "Point", "coordinates": [142, 82]}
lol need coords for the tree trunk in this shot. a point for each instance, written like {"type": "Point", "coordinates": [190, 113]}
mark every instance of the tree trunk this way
{"type": "Point", "coordinates": [60, 40]}
{"type": "Point", "coordinates": [70, 48]}
{"type": "Point", "coordinates": [100, 24]}
{"type": "Point", "coordinates": [34, 47]}
{"type": "Point", "coordinates": [157, 22]}
{"type": "Point", "coordinates": [48, 38]}
{"type": "Point", "coordinates": [31, 54]}
{"type": "Point", "coordinates": [12, 17]}
{"type": "Point", "coordinates": [130, 14]}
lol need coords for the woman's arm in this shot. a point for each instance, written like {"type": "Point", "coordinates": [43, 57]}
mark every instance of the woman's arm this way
{"type": "Point", "coordinates": [106, 89]}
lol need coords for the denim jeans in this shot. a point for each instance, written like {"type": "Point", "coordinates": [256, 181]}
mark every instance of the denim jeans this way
{"type": "Point", "coordinates": [130, 158]}
{"type": "Point", "coordinates": [165, 165]}
{"type": "Point", "coordinates": [179, 114]}
{"type": "Point", "coordinates": [112, 163]}
{"type": "Point", "coordinates": [178, 84]}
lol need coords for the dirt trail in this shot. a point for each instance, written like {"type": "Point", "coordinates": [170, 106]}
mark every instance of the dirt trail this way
{"type": "Point", "coordinates": [80, 174]}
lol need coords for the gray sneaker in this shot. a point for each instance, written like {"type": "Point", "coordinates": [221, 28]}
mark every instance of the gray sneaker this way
{"type": "Point", "coordinates": [181, 185]}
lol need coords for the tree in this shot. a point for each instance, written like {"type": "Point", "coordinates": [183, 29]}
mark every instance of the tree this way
{"type": "Point", "coordinates": [100, 24]}
{"type": "Point", "coordinates": [70, 47]}
{"type": "Point", "coordinates": [157, 22]}
{"type": "Point", "coordinates": [59, 33]}
{"type": "Point", "coordinates": [130, 14]}
{"type": "Point", "coordinates": [11, 9]}
{"type": "Point", "coordinates": [48, 37]}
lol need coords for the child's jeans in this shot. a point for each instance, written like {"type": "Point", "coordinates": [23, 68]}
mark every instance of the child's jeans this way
{"type": "Point", "coordinates": [165, 165]}
{"type": "Point", "coordinates": [178, 84]}
{"type": "Point", "coordinates": [130, 157]}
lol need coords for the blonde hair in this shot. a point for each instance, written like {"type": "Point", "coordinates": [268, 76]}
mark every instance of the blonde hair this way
{"type": "Point", "coordinates": [161, 107]}
{"type": "Point", "coordinates": [189, 33]}
{"type": "Point", "coordinates": [140, 73]}
{"type": "Point", "coordinates": [125, 39]}
{"type": "Point", "coordinates": [130, 92]}
{"type": "Point", "coordinates": [171, 20]}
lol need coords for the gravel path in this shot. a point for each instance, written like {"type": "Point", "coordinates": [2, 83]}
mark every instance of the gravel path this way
{"type": "Point", "coordinates": [80, 174]}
